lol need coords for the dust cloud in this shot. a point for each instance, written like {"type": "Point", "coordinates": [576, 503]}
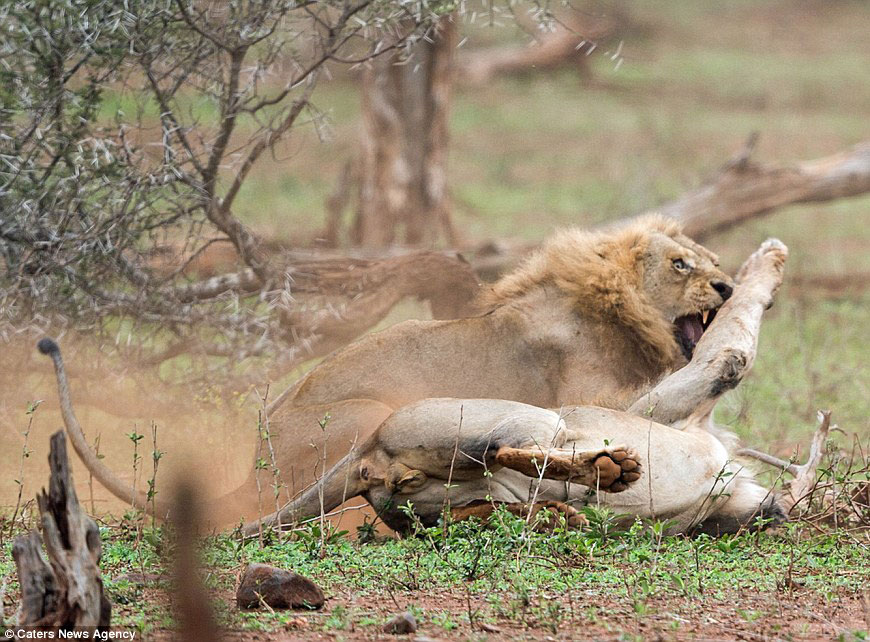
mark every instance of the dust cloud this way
{"type": "Point", "coordinates": [204, 435]}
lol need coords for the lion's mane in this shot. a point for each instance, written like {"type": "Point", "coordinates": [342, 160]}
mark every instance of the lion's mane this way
{"type": "Point", "coordinates": [601, 272]}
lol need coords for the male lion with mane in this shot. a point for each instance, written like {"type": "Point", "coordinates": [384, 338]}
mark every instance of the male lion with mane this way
{"type": "Point", "coordinates": [592, 318]}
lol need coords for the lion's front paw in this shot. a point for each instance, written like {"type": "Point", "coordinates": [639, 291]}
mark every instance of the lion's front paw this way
{"type": "Point", "coordinates": [617, 470]}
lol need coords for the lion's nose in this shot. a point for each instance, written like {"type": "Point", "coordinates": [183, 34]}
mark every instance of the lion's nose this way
{"type": "Point", "coordinates": [723, 289]}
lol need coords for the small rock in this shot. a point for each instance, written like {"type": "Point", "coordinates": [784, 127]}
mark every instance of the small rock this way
{"type": "Point", "coordinates": [401, 624]}
{"type": "Point", "coordinates": [277, 588]}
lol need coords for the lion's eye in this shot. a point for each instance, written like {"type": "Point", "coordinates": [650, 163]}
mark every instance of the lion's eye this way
{"type": "Point", "coordinates": [679, 264]}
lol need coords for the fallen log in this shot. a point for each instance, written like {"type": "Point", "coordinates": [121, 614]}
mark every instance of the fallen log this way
{"type": "Point", "coordinates": [568, 42]}
{"type": "Point", "coordinates": [741, 190]}
{"type": "Point", "coordinates": [744, 189]}
{"type": "Point", "coordinates": [68, 592]}
{"type": "Point", "coordinates": [331, 298]}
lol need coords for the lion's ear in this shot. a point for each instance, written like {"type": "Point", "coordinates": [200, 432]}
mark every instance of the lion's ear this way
{"type": "Point", "coordinates": [402, 479]}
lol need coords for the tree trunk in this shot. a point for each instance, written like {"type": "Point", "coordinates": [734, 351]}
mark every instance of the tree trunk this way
{"type": "Point", "coordinates": [402, 191]}
{"type": "Point", "coordinates": [69, 593]}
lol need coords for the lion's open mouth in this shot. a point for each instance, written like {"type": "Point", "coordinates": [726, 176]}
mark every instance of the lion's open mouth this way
{"type": "Point", "coordinates": [688, 330]}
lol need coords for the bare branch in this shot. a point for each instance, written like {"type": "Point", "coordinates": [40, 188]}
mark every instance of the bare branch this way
{"type": "Point", "coordinates": [266, 140]}
{"type": "Point", "coordinates": [741, 191]}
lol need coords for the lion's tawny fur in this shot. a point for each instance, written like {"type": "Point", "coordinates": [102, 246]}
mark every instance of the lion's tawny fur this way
{"type": "Point", "coordinates": [588, 319]}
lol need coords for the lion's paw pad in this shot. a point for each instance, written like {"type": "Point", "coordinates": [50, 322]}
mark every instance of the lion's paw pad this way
{"type": "Point", "coordinates": [617, 469]}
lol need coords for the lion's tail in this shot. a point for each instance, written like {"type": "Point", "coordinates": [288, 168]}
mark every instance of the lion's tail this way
{"type": "Point", "coordinates": [97, 468]}
{"type": "Point", "coordinates": [340, 483]}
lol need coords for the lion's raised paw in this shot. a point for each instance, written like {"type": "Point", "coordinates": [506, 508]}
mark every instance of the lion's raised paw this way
{"type": "Point", "coordinates": [770, 254]}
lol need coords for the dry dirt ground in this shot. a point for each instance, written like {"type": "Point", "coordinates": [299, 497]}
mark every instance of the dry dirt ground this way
{"type": "Point", "coordinates": [751, 615]}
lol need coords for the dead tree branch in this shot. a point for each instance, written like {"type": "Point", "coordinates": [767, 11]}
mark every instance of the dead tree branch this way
{"type": "Point", "coordinates": [741, 190]}
{"type": "Point", "coordinates": [744, 189]}
{"type": "Point", "coordinates": [558, 42]}
{"type": "Point", "coordinates": [334, 300]}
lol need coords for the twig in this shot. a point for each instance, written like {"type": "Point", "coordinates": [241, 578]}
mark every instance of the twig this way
{"type": "Point", "coordinates": [266, 432]}
{"type": "Point", "coordinates": [258, 464]}
{"type": "Point", "coordinates": [156, 454]}
{"type": "Point", "coordinates": [446, 506]}
{"type": "Point", "coordinates": [91, 476]}
{"type": "Point", "coordinates": [25, 453]}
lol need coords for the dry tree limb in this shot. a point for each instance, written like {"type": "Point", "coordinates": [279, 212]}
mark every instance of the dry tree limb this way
{"type": "Point", "coordinates": [345, 296]}
{"type": "Point", "coordinates": [39, 590]}
{"type": "Point", "coordinates": [558, 49]}
{"type": "Point", "coordinates": [69, 592]}
{"type": "Point", "coordinates": [368, 288]}
{"type": "Point", "coordinates": [365, 289]}
{"type": "Point", "coordinates": [573, 37]}
{"type": "Point", "coordinates": [334, 300]}
{"type": "Point", "coordinates": [744, 189]}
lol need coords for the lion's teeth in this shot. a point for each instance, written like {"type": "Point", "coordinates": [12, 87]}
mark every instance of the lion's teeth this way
{"type": "Point", "coordinates": [704, 315]}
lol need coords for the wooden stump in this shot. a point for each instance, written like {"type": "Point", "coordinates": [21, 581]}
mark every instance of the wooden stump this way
{"type": "Point", "coordinates": [69, 592]}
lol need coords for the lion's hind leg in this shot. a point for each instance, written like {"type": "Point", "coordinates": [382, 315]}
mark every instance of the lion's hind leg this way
{"type": "Point", "coordinates": [459, 438]}
{"type": "Point", "coordinates": [611, 470]}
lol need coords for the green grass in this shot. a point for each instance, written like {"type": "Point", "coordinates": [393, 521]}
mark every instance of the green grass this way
{"type": "Point", "coordinates": [811, 356]}
{"type": "Point", "coordinates": [499, 573]}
